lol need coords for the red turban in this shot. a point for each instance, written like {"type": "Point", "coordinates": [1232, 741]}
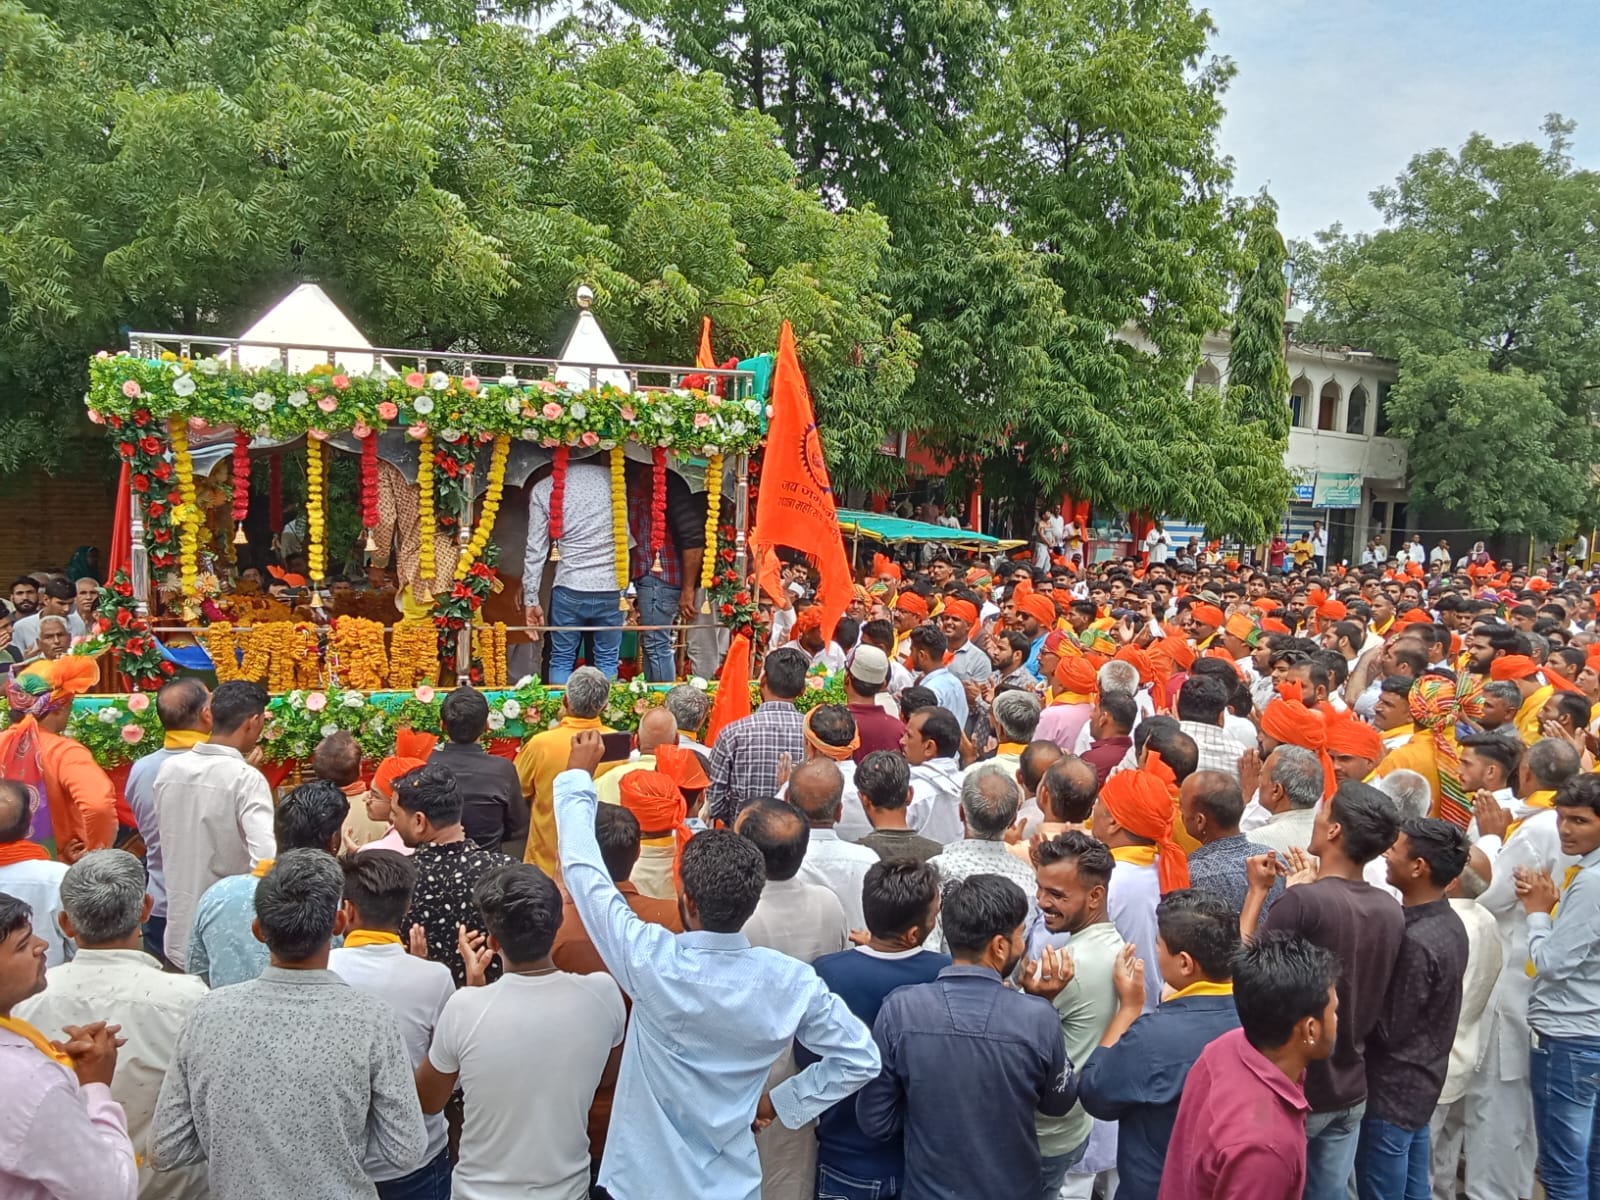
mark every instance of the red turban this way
{"type": "Point", "coordinates": [655, 799]}
{"type": "Point", "coordinates": [1037, 607]}
{"type": "Point", "coordinates": [1347, 735]}
{"type": "Point", "coordinates": [1055, 642]}
{"type": "Point", "coordinates": [1140, 802]}
{"type": "Point", "coordinates": [1513, 666]}
{"type": "Point", "coordinates": [1291, 722]}
{"type": "Point", "coordinates": [912, 603]}
{"type": "Point", "coordinates": [1207, 614]}
{"type": "Point", "coordinates": [1075, 676]}
{"type": "Point", "coordinates": [964, 610]}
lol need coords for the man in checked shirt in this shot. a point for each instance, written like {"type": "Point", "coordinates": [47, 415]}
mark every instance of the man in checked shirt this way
{"type": "Point", "coordinates": [744, 761]}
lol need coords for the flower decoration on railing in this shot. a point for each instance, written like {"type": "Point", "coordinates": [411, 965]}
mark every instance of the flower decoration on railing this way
{"type": "Point", "coordinates": [138, 657]}
{"type": "Point", "coordinates": [733, 602]}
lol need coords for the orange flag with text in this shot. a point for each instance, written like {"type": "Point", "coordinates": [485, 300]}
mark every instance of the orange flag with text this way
{"type": "Point", "coordinates": [796, 507]}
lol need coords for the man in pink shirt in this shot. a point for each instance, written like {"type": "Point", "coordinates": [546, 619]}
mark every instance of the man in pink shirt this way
{"type": "Point", "coordinates": [1241, 1128]}
{"type": "Point", "coordinates": [64, 1137]}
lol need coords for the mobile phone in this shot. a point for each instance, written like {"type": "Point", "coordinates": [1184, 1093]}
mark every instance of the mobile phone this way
{"type": "Point", "coordinates": [618, 746]}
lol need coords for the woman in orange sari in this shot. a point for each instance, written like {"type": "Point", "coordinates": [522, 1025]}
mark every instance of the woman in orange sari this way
{"type": "Point", "coordinates": [74, 802]}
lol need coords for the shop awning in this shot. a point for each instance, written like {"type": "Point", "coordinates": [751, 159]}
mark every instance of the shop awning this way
{"type": "Point", "coordinates": [879, 527]}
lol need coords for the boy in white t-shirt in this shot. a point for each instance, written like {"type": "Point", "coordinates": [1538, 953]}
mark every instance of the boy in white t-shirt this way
{"type": "Point", "coordinates": [528, 1049]}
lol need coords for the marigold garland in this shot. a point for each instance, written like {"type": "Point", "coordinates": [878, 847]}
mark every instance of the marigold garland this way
{"type": "Point", "coordinates": [316, 510]}
{"type": "Point", "coordinates": [241, 483]}
{"type": "Point", "coordinates": [222, 645]}
{"type": "Point", "coordinates": [490, 642]}
{"type": "Point", "coordinates": [358, 645]}
{"type": "Point", "coordinates": [188, 517]}
{"type": "Point", "coordinates": [303, 644]}
{"type": "Point", "coordinates": [708, 565]}
{"type": "Point", "coordinates": [491, 507]}
{"type": "Point", "coordinates": [619, 516]}
{"type": "Point", "coordinates": [428, 526]}
{"type": "Point", "coordinates": [413, 654]}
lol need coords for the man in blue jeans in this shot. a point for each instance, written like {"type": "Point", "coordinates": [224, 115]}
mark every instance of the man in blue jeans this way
{"type": "Point", "coordinates": [584, 591]}
{"type": "Point", "coordinates": [1564, 1005]}
{"type": "Point", "coordinates": [1409, 1050]}
{"type": "Point", "coordinates": [665, 576]}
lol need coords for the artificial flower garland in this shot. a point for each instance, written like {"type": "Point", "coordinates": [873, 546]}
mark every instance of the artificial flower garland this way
{"type": "Point", "coordinates": [427, 526]}
{"type": "Point", "coordinates": [619, 516]}
{"type": "Point", "coordinates": [316, 510]}
{"type": "Point", "coordinates": [241, 485]}
{"type": "Point", "coordinates": [369, 482]}
{"type": "Point", "coordinates": [558, 492]}
{"type": "Point", "coordinates": [491, 507]}
{"type": "Point", "coordinates": [658, 510]}
{"type": "Point", "coordinates": [708, 564]}
{"type": "Point", "coordinates": [188, 517]}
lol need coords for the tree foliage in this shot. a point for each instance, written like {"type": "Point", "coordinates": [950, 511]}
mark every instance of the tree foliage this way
{"type": "Point", "coordinates": [449, 191]}
{"type": "Point", "coordinates": [1485, 285]}
{"type": "Point", "coordinates": [1258, 374]}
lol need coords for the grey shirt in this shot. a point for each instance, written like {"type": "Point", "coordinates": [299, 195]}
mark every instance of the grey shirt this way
{"type": "Point", "coordinates": [1565, 1000]}
{"type": "Point", "coordinates": [285, 1085]}
{"type": "Point", "coordinates": [588, 562]}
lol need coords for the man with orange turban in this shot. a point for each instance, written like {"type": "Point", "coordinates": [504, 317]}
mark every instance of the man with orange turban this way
{"type": "Point", "coordinates": [1524, 672]}
{"type": "Point", "coordinates": [1134, 817]}
{"type": "Point", "coordinates": [1355, 747]}
{"type": "Point", "coordinates": [966, 662]}
{"type": "Point", "coordinates": [658, 803]}
{"type": "Point", "coordinates": [1286, 720]}
{"type": "Point", "coordinates": [910, 610]}
{"type": "Point", "coordinates": [76, 804]}
{"type": "Point", "coordinates": [1036, 616]}
{"type": "Point", "coordinates": [1204, 622]}
{"type": "Point", "coordinates": [380, 796]}
{"type": "Point", "coordinates": [1071, 703]}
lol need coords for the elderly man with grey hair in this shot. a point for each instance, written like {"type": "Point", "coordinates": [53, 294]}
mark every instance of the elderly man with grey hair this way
{"type": "Point", "coordinates": [1119, 677]}
{"type": "Point", "coordinates": [544, 756]}
{"type": "Point", "coordinates": [689, 706]}
{"type": "Point", "coordinates": [1289, 791]}
{"type": "Point", "coordinates": [990, 797]}
{"type": "Point", "coordinates": [285, 1085]}
{"type": "Point", "coordinates": [1015, 715]}
{"type": "Point", "coordinates": [104, 905]}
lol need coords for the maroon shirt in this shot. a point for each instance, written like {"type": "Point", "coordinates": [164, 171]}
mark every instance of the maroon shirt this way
{"type": "Point", "coordinates": [1107, 753]}
{"type": "Point", "coordinates": [879, 730]}
{"type": "Point", "coordinates": [1241, 1129]}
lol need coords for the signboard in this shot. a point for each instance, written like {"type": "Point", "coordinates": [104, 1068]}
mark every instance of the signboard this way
{"type": "Point", "coordinates": [1305, 485]}
{"type": "Point", "coordinates": [1337, 489]}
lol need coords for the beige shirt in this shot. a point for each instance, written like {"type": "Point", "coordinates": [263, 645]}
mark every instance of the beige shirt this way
{"type": "Point", "coordinates": [127, 988]}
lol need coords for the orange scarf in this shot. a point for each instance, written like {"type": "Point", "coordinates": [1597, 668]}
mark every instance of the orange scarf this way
{"type": "Point", "coordinates": [23, 851]}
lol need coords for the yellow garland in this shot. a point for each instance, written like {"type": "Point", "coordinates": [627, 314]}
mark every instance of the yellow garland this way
{"type": "Point", "coordinates": [363, 663]}
{"type": "Point", "coordinates": [301, 645]}
{"type": "Point", "coordinates": [491, 506]}
{"type": "Point", "coordinates": [187, 517]}
{"type": "Point", "coordinates": [425, 518]}
{"type": "Point", "coordinates": [316, 510]}
{"type": "Point", "coordinates": [490, 641]}
{"type": "Point", "coordinates": [413, 654]}
{"type": "Point", "coordinates": [708, 565]}
{"type": "Point", "coordinates": [619, 516]}
{"type": "Point", "coordinates": [221, 644]}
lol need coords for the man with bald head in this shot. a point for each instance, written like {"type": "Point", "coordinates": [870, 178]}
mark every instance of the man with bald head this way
{"type": "Point", "coordinates": [1211, 805]}
{"type": "Point", "coordinates": [817, 789]}
{"type": "Point", "coordinates": [1036, 758]}
{"type": "Point", "coordinates": [657, 728]}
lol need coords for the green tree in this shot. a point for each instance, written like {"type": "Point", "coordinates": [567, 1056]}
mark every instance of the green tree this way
{"type": "Point", "coordinates": [1258, 375]}
{"type": "Point", "coordinates": [1485, 284]}
{"type": "Point", "coordinates": [449, 188]}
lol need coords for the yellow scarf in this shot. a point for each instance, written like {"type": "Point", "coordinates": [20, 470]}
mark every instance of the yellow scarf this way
{"type": "Point", "coordinates": [1566, 882]}
{"type": "Point", "coordinates": [41, 1043]}
{"type": "Point", "coordinates": [1387, 625]}
{"type": "Point", "coordinates": [1544, 799]}
{"type": "Point", "coordinates": [1071, 698]}
{"type": "Point", "coordinates": [1015, 748]}
{"type": "Point", "coordinates": [370, 937]}
{"type": "Point", "coordinates": [1203, 987]}
{"type": "Point", "coordinates": [261, 868]}
{"type": "Point", "coordinates": [183, 739]}
{"type": "Point", "coordinates": [1139, 856]}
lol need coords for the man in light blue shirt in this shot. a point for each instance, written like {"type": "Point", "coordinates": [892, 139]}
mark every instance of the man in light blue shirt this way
{"type": "Point", "coordinates": [928, 648]}
{"type": "Point", "coordinates": [711, 1013]}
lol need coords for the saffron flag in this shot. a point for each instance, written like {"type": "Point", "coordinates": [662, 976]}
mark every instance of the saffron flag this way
{"type": "Point", "coordinates": [703, 357]}
{"type": "Point", "coordinates": [796, 507]}
{"type": "Point", "coordinates": [733, 688]}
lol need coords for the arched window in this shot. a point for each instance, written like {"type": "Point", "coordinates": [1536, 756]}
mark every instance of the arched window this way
{"type": "Point", "coordinates": [1328, 406]}
{"type": "Point", "coordinates": [1208, 378]}
{"type": "Point", "coordinates": [1300, 403]}
{"type": "Point", "coordinates": [1355, 417]}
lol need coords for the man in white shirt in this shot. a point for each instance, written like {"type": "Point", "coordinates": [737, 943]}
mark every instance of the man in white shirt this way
{"type": "Point", "coordinates": [377, 891]}
{"type": "Point", "coordinates": [55, 600]}
{"type": "Point", "coordinates": [931, 744]}
{"type": "Point", "coordinates": [104, 904]}
{"type": "Point", "coordinates": [584, 591]}
{"type": "Point", "coordinates": [30, 874]}
{"type": "Point", "coordinates": [1414, 551]}
{"type": "Point", "coordinates": [214, 809]}
{"type": "Point", "coordinates": [1485, 958]}
{"type": "Point", "coordinates": [1157, 544]}
{"type": "Point", "coordinates": [817, 789]}
{"type": "Point", "coordinates": [1319, 545]}
{"type": "Point", "coordinates": [527, 1050]}
{"type": "Point", "coordinates": [1439, 556]}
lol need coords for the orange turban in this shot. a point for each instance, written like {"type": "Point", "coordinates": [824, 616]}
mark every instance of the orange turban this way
{"type": "Point", "coordinates": [1347, 735]}
{"type": "Point", "coordinates": [655, 799]}
{"type": "Point", "coordinates": [1413, 616]}
{"type": "Point", "coordinates": [683, 767]}
{"type": "Point", "coordinates": [50, 686]}
{"type": "Point", "coordinates": [390, 771]}
{"type": "Point", "coordinates": [1332, 610]}
{"type": "Point", "coordinates": [964, 610]}
{"type": "Point", "coordinates": [883, 565]}
{"type": "Point", "coordinates": [1513, 666]}
{"type": "Point", "coordinates": [827, 749]}
{"type": "Point", "coordinates": [1560, 684]}
{"type": "Point", "coordinates": [1241, 627]}
{"type": "Point", "coordinates": [912, 603]}
{"type": "Point", "coordinates": [1177, 648]}
{"type": "Point", "coordinates": [807, 621]}
{"type": "Point", "coordinates": [1273, 625]}
{"type": "Point", "coordinates": [1075, 679]}
{"type": "Point", "coordinates": [1037, 607]}
{"type": "Point", "coordinates": [408, 743]}
{"type": "Point", "coordinates": [1140, 802]}
{"type": "Point", "coordinates": [1291, 722]}
{"type": "Point", "coordinates": [1141, 662]}
{"type": "Point", "coordinates": [1538, 584]}
{"type": "Point", "coordinates": [1207, 614]}
{"type": "Point", "coordinates": [1266, 605]}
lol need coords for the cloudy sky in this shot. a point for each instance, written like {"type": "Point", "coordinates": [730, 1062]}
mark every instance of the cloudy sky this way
{"type": "Point", "coordinates": [1332, 99]}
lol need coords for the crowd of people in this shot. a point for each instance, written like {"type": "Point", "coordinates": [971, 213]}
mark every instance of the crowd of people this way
{"type": "Point", "coordinates": [1180, 883]}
